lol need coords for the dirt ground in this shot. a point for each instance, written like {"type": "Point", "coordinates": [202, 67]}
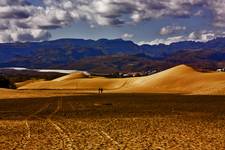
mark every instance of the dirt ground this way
{"type": "Point", "coordinates": [113, 121]}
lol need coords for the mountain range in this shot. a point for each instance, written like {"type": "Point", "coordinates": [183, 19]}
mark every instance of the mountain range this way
{"type": "Point", "coordinates": [107, 56]}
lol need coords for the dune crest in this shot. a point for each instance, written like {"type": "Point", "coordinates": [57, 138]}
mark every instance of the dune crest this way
{"type": "Point", "coordinates": [181, 69]}
{"type": "Point", "coordinates": [72, 76]}
{"type": "Point", "coordinates": [179, 79]}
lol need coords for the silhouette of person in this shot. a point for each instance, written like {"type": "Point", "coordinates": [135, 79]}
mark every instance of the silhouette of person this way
{"type": "Point", "coordinates": [101, 90]}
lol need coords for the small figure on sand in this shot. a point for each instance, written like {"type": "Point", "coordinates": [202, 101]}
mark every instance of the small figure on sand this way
{"type": "Point", "coordinates": [100, 90]}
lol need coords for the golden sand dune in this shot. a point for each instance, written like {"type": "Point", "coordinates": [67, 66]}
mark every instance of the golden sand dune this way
{"type": "Point", "coordinates": [79, 84]}
{"type": "Point", "coordinates": [180, 79]}
{"type": "Point", "coordinates": [20, 84]}
{"type": "Point", "coordinates": [72, 76]}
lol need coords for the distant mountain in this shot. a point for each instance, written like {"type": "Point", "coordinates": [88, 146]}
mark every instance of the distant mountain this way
{"type": "Point", "coordinates": [111, 55]}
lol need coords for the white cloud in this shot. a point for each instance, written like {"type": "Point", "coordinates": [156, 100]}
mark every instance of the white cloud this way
{"type": "Point", "coordinates": [112, 12]}
{"type": "Point", "coordinates": [13, 2]}
{"type": "Point", "coordinates": [218, 10]}
{"type": "Point", "coordinates": [127, 36]}
{"type": "Point", "coordinates": [201, 36]}
{"type": "Point", "coordinates": [199, 13]}
{"type": "Point", "coordinates": [163, 41]}
{"type": "Point", "coordinates": [171, 30]}
{"type": "Point", "coordinates": [24, 35]}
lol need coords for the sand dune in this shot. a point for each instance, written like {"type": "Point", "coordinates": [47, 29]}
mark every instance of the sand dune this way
{"type": "Point", "coordinates": [79, 84]}
{"type": "Point", "coordinates": [20, 84]}
{"type": "Point", "coordinates": [180, 79]}
{"type": "Point", "coordinates": [72, 76]}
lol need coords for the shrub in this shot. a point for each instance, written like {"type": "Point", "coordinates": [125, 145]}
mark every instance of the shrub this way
{"type": "Point", "coordinates": [6, 83]}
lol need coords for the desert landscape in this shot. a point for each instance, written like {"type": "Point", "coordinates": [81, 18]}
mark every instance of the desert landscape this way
{"type": "Point", "coordinates": [112, 74]}
{"type": "Point", "coordinates": [113, 121]}
{"type": "Point", "coordinates": [180, 79]}
{"type": "Point", "coordinates": [179, 108]}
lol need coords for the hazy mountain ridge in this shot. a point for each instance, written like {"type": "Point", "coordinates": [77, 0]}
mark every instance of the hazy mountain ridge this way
{"type": "Point", "coordinates": [111, 55]}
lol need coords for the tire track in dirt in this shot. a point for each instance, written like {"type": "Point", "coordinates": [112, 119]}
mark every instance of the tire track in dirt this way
{"type": "Point", "coordinates": [39, 110]}
{"type": "Point", "coordinates": [110, 138]}
{"type": "Point", "coordinates": [61, 129]}
{"type": "Point", "coordinates": [58, 107]}
{"type": "Point", "coordinates": [67, 140]}
{"type": "Point", "coordinates": [26, 139]}
{"type": "Point", "coordinates": [101, 133]}
{"type": "Point", "coordinates": [28, 130]}
{"type": "Point", "coordinates": [27, 123]}
{"type": "Point", "coordinates": [71, 105]}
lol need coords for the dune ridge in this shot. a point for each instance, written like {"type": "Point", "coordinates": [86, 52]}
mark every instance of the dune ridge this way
{"type": "Point", "coordinates": [76, 75]}
{"type": "Point", "coordinates": [179, 79]}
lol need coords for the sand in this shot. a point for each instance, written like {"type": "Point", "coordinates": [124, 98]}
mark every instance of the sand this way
{"type": "Point", "coordinates": [72, 76]}
{"type": "Point", "coordinates": [180, 79]}
{"type": "Point", "coordinates": [20, 84]}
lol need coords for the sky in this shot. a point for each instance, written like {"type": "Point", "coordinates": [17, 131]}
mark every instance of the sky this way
{"type": "Point", "coordinates": [142, 21]}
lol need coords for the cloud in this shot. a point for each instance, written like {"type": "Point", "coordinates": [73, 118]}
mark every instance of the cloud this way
{"type": "Point", "coordinates": [14, 22]}
{"type": "Point", "coordinates": [13, 2]}
{"type": "Point", "coordinates": [200, 36]}
{"type": "Point", "coordinates": [118, 12]}
{"type": "Point", "coordinates": [21, 21]}
{"type": "Point", "coordinates": [199, 13]}
{"type": "Point", "coordinates": [24, 35]}
{"type": "Point", "coordinates": [218, 10]}
{"type": "Point", "coordinates": [127, 36]}
{"type": "Point", "coordinates": [168, 30]}
{"type": "Point", "coordinates": [20, 16]}
{"type": "Point", "coordinates": [166, 41]}
{"type": "Point", "coordinates": [14, 12]}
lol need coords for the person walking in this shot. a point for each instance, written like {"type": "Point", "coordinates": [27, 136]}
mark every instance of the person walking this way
{"type": "Point", "coordinates": [101, 90]}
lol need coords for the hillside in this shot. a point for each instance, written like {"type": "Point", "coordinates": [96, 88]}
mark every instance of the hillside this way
{"type": "Point", "coordinates": [107, 56]}
{"type": "Point", "coordinates": [24, 75]}
{"type": "Point", "coordinates": [204, 60]}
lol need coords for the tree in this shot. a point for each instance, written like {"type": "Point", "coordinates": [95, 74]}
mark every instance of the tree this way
{"type": "Point", "coordinates": [6, 83]}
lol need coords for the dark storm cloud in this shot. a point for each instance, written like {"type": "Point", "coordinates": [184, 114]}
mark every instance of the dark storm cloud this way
{"type": "Point", "coordinates": [13, 2]}
{"type": "Point", "coordinates": [13, 13]}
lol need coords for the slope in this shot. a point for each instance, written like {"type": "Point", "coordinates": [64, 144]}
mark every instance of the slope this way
{"type": "Point", "coordinates": [180, 79]}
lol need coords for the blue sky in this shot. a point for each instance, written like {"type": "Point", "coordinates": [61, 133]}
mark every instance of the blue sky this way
{"type": "Point", "coordinates": [143, 31]}
{"type": "Point", "coordinates": [149, 21]}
